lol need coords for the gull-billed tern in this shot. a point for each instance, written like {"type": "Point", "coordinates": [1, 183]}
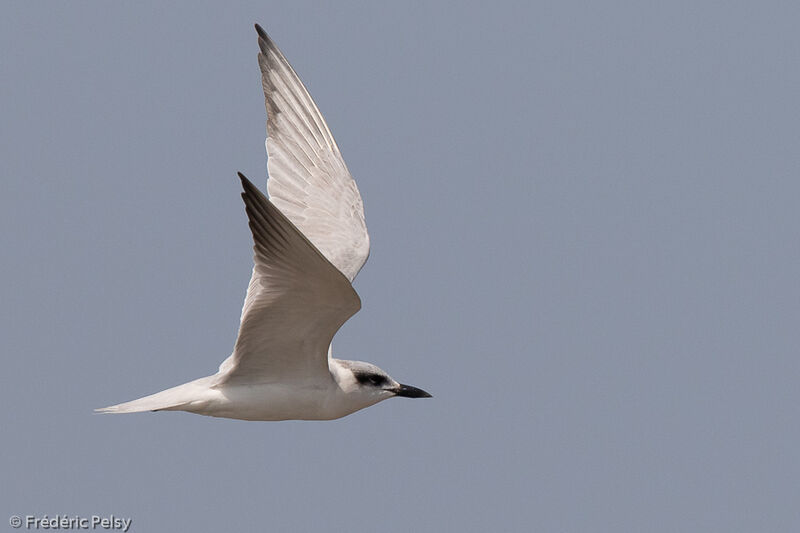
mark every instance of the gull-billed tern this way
{"type": "Point", "coordinates": [310, 242]}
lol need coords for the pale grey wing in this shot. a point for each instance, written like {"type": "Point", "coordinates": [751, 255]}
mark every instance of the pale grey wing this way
{"type": "Point", "coordinates": [308, 179]}
{"type": "Point", "coordinates": [295, 303]}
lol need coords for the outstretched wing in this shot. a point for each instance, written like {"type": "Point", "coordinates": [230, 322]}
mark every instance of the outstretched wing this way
{"type": "Point", "coordinates": [308, 179]}
{"type": "Point", "coordinates": [295, 303]}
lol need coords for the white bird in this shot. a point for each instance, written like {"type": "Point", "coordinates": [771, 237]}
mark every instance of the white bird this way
{"type": "Point", "coordinates": [310, 242]}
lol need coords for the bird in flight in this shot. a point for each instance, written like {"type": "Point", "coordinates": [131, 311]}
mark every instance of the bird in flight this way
{"type": "Point", "coordinates": [310, 241]}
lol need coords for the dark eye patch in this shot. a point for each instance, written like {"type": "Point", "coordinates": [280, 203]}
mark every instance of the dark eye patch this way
{"type": "Point", "coordinates": [372, 379]}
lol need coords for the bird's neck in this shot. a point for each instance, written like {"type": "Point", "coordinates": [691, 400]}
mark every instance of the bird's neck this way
{"type": "Point", "coordinates": [342, 374]}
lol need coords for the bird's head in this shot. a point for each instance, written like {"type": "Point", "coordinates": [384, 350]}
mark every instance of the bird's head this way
{"type": "Point", "coordinates": [369, 381]}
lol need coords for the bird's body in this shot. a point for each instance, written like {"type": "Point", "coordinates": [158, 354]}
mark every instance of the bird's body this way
{"type": "Point", "coordinates": [297, 400]}
{"type": "Point", "coordinates": [310, 242]}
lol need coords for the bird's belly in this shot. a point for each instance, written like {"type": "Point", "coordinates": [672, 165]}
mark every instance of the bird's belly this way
{"type": "Point", "coordinates": [270, 402]}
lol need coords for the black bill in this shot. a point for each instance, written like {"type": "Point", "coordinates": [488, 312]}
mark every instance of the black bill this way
{"type": "Point", "coordinates": [407, 391]}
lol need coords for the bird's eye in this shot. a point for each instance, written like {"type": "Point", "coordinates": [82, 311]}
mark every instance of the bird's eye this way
{"type": "Point", "coordinates": [376, 380]}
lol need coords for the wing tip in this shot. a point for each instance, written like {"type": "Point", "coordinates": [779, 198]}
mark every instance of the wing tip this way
{"type": "Point", "coordinates": [250, 193]}
{"type": "Point", "coordinates": [260, 31]}
{"type": "Point", "coordinates": [264, 41]}
{"type": "Point", "coordinates": [253, 198]}
{"type": "Point", "coordinates": [247, 185]}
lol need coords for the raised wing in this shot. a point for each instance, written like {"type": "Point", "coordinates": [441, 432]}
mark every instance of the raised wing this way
{"type": "Point", "coordinates": [295, 303]}
{"type": "Point", "coordinates": [308, 179]}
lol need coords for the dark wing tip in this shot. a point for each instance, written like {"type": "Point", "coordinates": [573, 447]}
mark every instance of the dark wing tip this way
{"type": "Point", "coordinates": [247, 185]}
{"type": "Point", "coordinates": [264, 42]}
{"type": "Point", "coordinates": [259, 212]}
{"type": "Point", "coordinates": [250, 189]}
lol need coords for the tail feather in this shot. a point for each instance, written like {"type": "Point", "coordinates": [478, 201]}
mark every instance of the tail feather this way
{"type": "Point", "coordinates": [167, 400]}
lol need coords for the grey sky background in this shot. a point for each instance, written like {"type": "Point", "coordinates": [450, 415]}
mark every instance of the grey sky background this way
{"type": "Point", "coordinates": [584, 223]}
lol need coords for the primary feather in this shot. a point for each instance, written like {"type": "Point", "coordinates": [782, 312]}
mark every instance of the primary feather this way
{"type": "Point", "coordinates": [308, 179]}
